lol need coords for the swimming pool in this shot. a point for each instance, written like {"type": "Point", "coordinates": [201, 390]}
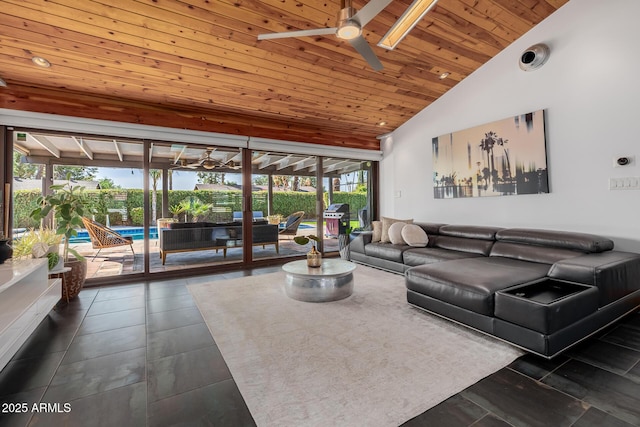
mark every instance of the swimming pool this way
{"type": "Point", "coordinates": [136, 232]}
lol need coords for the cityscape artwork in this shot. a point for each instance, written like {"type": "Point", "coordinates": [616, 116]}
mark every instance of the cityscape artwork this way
{"type": "Point", "coordinates": [502, 158]}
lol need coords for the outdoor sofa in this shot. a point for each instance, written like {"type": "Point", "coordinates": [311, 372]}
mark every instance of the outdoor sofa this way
{"type": "Point", "coordinates": [541, 290]}
{"type": "Point", "coordinates": [200, 236]}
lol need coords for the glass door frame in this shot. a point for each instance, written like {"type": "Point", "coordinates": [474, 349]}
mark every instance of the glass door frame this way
{"type": "Point", "coordinates": [6, 177]}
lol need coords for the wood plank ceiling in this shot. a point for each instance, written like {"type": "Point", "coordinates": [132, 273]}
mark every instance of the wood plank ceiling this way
{"type": "Point", "coordinates": [197, 64]}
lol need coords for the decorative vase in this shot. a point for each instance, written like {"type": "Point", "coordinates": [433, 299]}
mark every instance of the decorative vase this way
{"type": "Point", "coordinates": [5, 250]}
{"type": "Point", "coordinates": [314, 258]}
{"type": "Point", "coordinates": [343, 246]}
{"type": "Point", "coordinates": [73, 280]}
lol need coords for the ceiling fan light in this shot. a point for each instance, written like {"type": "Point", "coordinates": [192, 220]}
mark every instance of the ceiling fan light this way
{"type": "Point", "coordinates": [349, 30]}
{"type": "Point", "coordinates": [208, 164]}
{"type": "Point", "coordinates": [407, 21]}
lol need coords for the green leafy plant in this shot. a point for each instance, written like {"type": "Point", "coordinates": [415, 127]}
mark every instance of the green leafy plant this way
{"type": "Point", "coordinates": [176, 210]}
{"type": "Point", "coordinates": [68, 206]}
{"type": "Point", "coordinates": [23, 245]}
{"type": "Point", "coordinates": [303, 240]}
{"type": "Point", "coordinates": [198, 209]}
{"type": "Point", "coordinates": [52, 259]}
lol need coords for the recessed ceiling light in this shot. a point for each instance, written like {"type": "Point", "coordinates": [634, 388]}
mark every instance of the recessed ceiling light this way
{"type": "Point", "coordinates": [444, 75]}
{"type": "Point", "coordinates": [382, 123]}
{"type": "Point", "coordinates": [41, 62]}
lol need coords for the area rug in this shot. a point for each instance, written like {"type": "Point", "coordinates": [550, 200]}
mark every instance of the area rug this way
{"type": "Point", "coordinates": [367, 360]}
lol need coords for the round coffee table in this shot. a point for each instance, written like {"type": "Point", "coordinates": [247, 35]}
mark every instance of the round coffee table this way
{"type": "Point", "coordinates": [332, 281]}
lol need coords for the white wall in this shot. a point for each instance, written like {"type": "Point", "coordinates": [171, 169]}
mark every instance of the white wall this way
{"type": "Point", "coordinates": [590, 89]}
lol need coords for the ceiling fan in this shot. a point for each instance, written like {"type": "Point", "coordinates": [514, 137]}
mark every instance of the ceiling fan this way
{"type": "Point", "coordinates": [349, 28]}
{"type": "Point", "coordinates": [209, 163]}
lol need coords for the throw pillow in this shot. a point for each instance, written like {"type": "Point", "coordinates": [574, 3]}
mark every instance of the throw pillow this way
{"type": "Point", "coordinates": [386, 223]}
{"type": "Point", "coordinates": [395, 233]}
{"type": "Point", "coordinates": [377, 231]}
{"type": "Point", "coordinates": [414, 235]}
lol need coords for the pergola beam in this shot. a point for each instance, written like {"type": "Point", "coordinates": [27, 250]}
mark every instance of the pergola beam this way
{"type": "Point", "coordinates": [116, 145]}
{"type": "Point", "coordinates": [46, 144]}
{"type": "Point", "coordinates": [83, 147]}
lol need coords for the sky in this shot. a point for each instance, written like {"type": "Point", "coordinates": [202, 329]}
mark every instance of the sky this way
{"type": "Point", "coordinates": [132, 178]}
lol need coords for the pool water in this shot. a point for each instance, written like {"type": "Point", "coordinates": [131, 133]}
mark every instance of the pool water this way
{"type": "Point", "coordinates": [136, 232]}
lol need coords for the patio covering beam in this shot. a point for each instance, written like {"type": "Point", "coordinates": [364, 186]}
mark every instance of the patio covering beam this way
{"type": "Point", "coordinates": [85, 149]}
{"type": "Point", "coordinates": [46, 144]}
{"type": "Point", "coordinates": [116, 145]}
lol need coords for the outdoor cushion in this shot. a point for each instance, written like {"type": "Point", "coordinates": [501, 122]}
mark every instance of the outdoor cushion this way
{"type": "Point", "coordinates": [291, 220]}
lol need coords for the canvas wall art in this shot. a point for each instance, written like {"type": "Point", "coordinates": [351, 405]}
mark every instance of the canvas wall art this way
{"type": "Point", "coordinates": [506, 157]}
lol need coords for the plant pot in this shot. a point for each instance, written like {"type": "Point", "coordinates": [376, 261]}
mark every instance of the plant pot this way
{"type": "Point", "coordinates": [5, 250]}
{"type": "Point", "coordinates": [314, 258]}
{"type": "Point", "coordinates": [73, 280]}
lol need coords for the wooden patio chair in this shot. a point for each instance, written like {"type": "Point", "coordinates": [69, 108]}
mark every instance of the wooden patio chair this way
{"type": "Point", "coordinates": [292, 223]}
{"type": "Point", "coordinates": [104, 237]}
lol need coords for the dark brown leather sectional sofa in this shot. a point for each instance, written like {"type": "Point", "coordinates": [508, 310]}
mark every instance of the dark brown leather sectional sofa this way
{"type": "Point", "coordinates": [540, 290]}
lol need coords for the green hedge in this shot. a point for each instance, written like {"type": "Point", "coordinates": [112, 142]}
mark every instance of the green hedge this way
{"type": "Point", "coordinates": [226, 202]}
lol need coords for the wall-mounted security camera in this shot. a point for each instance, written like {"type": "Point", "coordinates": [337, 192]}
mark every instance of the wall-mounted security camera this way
{"type": "Point", "coordinates": [534, 57]}
{"type": "Point", "coordinates": [623, 161]}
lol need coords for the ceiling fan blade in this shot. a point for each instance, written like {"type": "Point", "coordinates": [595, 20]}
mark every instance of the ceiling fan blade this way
{"type": "Point", "coordinates": [300, 33]}
{"type": "Point", "coordinates": [369, 11]}
{"type": "Point", "coordinates": [363, 48]}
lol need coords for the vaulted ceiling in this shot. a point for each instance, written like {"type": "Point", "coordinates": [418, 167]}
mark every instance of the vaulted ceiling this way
{"type": "Point", "coordinates": [197, 64]}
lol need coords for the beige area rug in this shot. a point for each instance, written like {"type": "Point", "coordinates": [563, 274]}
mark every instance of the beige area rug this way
{"type": "Point", "coordinates": [368, 360]}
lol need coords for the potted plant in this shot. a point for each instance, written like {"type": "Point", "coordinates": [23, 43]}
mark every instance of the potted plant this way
{"type": "Point", "coordinates": [36, 243]}
{"type": "Point", "coordinates": [5, 250]}
{"type": "Point", "coordinates": [67, 203]}
{"type": "Point", "coordinates": [343, 242]}
{"type": "Point", "coordinates": [176, 210]}
{"type": "Point", "coordinates": [314, 258]}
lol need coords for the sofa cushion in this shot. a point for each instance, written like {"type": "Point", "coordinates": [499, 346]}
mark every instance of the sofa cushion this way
{"type": "Point", "coordinates": [420, 256]}
{"type": "Point", "coordinates": [386, 251]}
{"type": "Point", "coordinates": [615, 273]}
{"type": "Point", "coordinates": [395, 233]}
{"type": "Point", "coordinates": [532, 253]}
{"type": "Point", "coordinates": [481, 247]}
{"type": "Point", "coordinates": [386, 223]}
{"type": "Point", "coordinates": [414, 235]}
{"type": "Point", "coordinates": [182, 225]}
{"type": "Point", "coordinates": [470, 231]}
{"type": "Point", "coordinates": [430, 228]}
{"type": "Point", "coordinates": [377, 231]}
{"type": "Point", "coordinates": [558, 239]}
{"type": "Point", "coordinates": [472, 283]}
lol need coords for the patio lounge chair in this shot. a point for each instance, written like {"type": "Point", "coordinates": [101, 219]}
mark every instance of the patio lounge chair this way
{"type": "Point", "coordinates": [291, 224]}
{"type": "Point", "coordinates": [104, 237]}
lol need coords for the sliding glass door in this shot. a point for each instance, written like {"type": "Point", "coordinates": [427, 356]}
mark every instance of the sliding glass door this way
{"type": "Point", "coordinates": [198, 206]}
{"type": "Point", "coordinates": [183, 206]}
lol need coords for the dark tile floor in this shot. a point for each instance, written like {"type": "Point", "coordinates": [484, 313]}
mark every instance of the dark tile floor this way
{"type": "Point", "coordinates": [141, 355]}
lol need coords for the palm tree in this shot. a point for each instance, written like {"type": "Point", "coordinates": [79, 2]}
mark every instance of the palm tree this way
{"type": "Point", "coordinates": [198, 208]}
{"type": "Point", "coordinates": [155, 175]}
{"type": "Point", "coordinates": [490, 140]}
